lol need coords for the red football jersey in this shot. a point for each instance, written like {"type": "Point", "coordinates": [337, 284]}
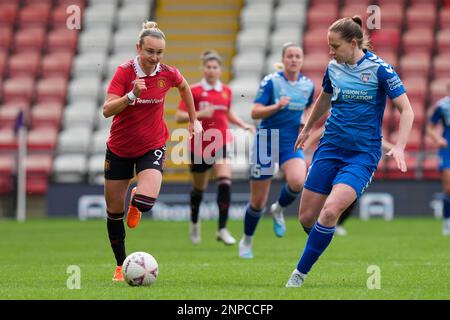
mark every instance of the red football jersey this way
{"type": "Point", "coordinates": [140, 127]}
{"type": "Point", "coordinates": [219, 99]}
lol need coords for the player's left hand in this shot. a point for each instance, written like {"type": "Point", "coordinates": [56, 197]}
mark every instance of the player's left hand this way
{"type": "Point", "coordinates": [399, 156]}
{"type": "Point", "coordinates": [301, 139]}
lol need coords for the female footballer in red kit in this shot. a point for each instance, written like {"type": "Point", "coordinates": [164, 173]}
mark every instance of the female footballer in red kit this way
{"type": "Point", "coordinates": [135, 97]}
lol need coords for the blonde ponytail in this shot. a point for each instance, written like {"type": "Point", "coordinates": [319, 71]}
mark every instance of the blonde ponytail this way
{"type": "Point", "coordinates": [150, 29]}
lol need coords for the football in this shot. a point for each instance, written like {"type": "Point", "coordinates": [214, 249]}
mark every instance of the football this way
{"type": "Point", "coordinates": [140, 269]}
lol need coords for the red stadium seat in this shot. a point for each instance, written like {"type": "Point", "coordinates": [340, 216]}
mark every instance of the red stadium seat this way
{"type": "Point", "coordinates": [3, 62]}
{"type": "Point", "coordinates": [441, 66]}
{"type": "Point", "coordinates": [322, 2]}
{"type": "Point", "coordinates": [29, 40]}
{"type": "Point", "coordinates": [9, 113]}
{"type": "Point", "coordinates": [25, 64]}
{"type": "Point", "coordinates": [393, 172]}
{"type": "Point", "coordinates": [57, 65]}
{"type": "Point", "coordinates": [430, 167]}
{"type": "Point", "coordinates": [18, 89]}
{"type": "Point", "coordinates": [62, 40]}
{"type": "Point", "coordinates": [35, 15]}
{"type": "Point", "coordinates": [80, 3]}
{"type": "Point", "coordinates": [418, 41]}
{"type": "Point", "coordinates": [443, 41]}
{"type": "Point", "coordinates": [365, 3]}
{"type": "Point", "coordinates": [415, 65]}
{"type": "Point", "coordinates": [38, 170]}
{"type": "Point", "coordinates": [315, 63]}
{"type": "Point", "coordinates": [51, 90]}
{"type": "Point", "coordinates": [444, 18]}
{"type": "Point", "coordinates": [59, 17]}
{"type": "Point", "coordinates": [414, 140]}
{"type": "Point", "coordinates": [387, 123]}
{"type": "Point", "coordinates": [321, 15]}
{"type": "Point", "coordinates": [421, 16]}
{"type": "Point", "coordinates": [46, 115]}
{"type": "Point", "coordinates": [42, 139]}
{"type": "Point", "coordinates": [316, 41]}
{"type": "Point", "coordinates": [416, 88]}
{"type": "Point", "coordinates": [396, 2]}
{"type": "Point", "coordinates": [353, 9]}
{"type": "Point", "coordinates": [385, 40]}
{"type": "Point", "coordinates": [439, 88]}
{"type": "Point", "coordinates": [8, 140]}
{"type": "Point", "coordinates": [8, 14]}
{"type": "Point", "coordinates": [46, 2]}
{"type": "Point", "coordinates": [421, 2]}
{"type": "Point", "coordinates": [392, 15]}
{"type": "Point", "coordinates": [6, 36]}
{"type": "Point", "coordinates": [7, 171]}
{"type": "Point", "coordinates": [390, 57]}
{"type": "Point", "coordinates": [317, 79]}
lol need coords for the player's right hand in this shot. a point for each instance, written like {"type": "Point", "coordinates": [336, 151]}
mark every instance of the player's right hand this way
{"type": "Point", "coordinates": [138, 86]}
{"type": "Point", "coordinates": [283, 102]}
{"type": "Point", "coordinates": [301, 139]}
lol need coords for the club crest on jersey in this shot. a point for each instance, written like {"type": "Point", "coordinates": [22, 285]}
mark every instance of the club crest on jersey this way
{"type": "Point", "coordinates": [224, 95]}
{"type": "Point", "coordinates": [365, 76]}
{"type": "Point", "coordinates": [161, 83]}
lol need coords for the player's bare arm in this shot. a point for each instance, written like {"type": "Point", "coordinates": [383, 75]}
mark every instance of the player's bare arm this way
{"type": "Point", "coordinates": [406, 121]}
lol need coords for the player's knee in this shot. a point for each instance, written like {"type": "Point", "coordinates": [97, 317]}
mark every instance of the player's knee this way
{"type": "Point", "coordinates": [307, 220]}
{"type": "Point", "coordinates": [329, 214]}
{"type": "Point", "coordinates": [142, 202]}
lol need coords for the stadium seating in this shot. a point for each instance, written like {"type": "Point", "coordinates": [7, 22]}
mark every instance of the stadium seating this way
{"type": "Point", "coordinates": [60, 76]}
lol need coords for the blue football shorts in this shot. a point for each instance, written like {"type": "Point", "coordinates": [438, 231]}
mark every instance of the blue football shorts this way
{"type": "Point", "coordinates": [332, 165]}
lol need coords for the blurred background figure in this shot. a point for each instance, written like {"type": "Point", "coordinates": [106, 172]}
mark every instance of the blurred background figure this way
{"type": "Point", "coordinates": [213, 103]}
{"type": "Point", "coordinates": [440, 117]}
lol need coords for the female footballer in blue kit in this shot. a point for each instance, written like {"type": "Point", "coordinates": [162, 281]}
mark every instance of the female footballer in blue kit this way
{"type": "Point", "coordinates": [281, 100]}
{"type": "Point", "coordinates": [441, 114]}
{"type": "Point", "coordinates": [356, 83]}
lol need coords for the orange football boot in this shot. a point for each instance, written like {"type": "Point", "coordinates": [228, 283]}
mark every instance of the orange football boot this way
{"type": "Point", "coordinates": [118, 276]}
{"type": "Point", "coordinates": [133, 214]}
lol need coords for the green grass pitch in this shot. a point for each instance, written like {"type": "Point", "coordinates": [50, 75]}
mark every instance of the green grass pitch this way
{"type": "Point", "coordinates": [413, 257]}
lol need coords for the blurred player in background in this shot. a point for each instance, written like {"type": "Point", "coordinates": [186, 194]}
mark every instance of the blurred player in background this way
{"type": "Point", "coordinates": [135, 97]}
{"type": "Point", "coordinates": [212, 101]}
{"type": "Point", "coordinates": [280, 103]}
{"type": "Point", "coordinates": [356, 83]}
{"type": "Point", "coordinates": [441, 115]}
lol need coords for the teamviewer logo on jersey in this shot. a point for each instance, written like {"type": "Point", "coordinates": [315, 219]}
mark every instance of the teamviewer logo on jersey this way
{"type": "Point", "coordinates": [365, 76]}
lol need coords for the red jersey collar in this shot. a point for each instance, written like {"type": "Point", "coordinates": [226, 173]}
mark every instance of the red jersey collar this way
{"type": "Point", "coordinates": [140, 73]}
{"type": "Point", "coordinates": [207, 87]}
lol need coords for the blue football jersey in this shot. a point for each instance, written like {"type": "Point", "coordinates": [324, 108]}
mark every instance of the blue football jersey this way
{"type": "Point", "coordinates": [272, 88]}
{"type": "Point", "coordinates": [358, 101]}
